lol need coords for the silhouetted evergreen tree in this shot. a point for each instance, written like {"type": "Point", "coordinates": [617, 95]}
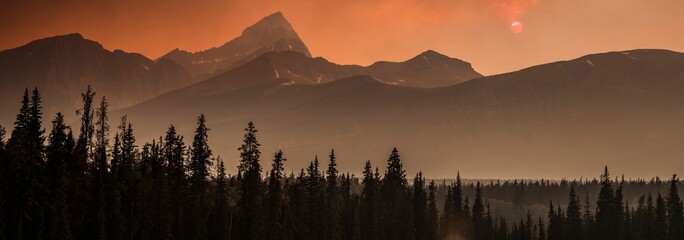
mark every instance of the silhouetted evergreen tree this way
{"type": "Point", "coordinates": [99, 170]}
{"type": "Point", "coordinates": [396, 218]}
{"type": "Point", "coordinates": [315, 188]}
{"type": "Point", "coordinates": [587, 219]}
{"type": "Point", "coordinates": [675, 211]}
{"type": "Point", "coordinates": [478, 215]}
{"type": "Point", "coordinates": [26, 169]}
{"type": "Point", "coordinates": [332, 200]}
{"type": "Point", "coordinates": [199, 165]}
{"type": "Point", "coordinates": [420, 207]}
{"type": "Point", "coordinates": [275, 209]}
{"type": "Point", "coordinates": [370, 204]}
{"type": "Point", "coordinates": [297, 209]}
{"type": "Point", "coordinates": [542, 230]}
{"type": "Point", "coordinates": [160, 210]}
{"type": "Point", "coordinates": [574, 217]}
{"type": "Point", "coordinates": [606, 222]}
{"type": "Point", "coordinates": [660, 220]}
{"type": "Point", "coordinates": [349, 210]}
{"type": "Point", "coordinates": [555, 231]}
{"type": "Point", "coordinates": [174, 155]}
{"type": "Point", "coordinates": [432, 221]}
{"type": "Point", "coordinates": [619, 211]}
{"type": "Point", "coordinates": [649, 219]}
{"type": "Point", "coordinates": [57, 225]}
{"type": "Point", "coordinates": [77, 171]}
{"type": "Point", "coordinates": [219, 224]}
{"type": "Point", "coordinates": [251, 215]}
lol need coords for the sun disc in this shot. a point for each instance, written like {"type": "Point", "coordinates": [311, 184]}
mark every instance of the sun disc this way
{"type": "Point", "coordinates": [516, 27]}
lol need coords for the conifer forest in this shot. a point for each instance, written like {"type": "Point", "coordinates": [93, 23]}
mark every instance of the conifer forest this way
{"type": "Point", "coordinates": [96, 181]}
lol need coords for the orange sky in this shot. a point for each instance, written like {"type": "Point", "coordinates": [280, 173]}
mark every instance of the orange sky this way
{"type": "Point", "coordinates": [364, 31]}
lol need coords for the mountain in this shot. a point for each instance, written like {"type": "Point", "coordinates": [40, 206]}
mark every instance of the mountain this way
{"type": "Point", "coordinates": [63, 66]}
{"type": "Point", "coordinates": [272, 33]}
{"type": "Point", "coordinates": [429, 69]}
{"type": "Point", "coordinates": [614, 109]}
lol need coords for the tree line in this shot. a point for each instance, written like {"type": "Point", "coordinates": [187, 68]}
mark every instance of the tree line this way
{"type": "Point", "coordinates": [58, 185]}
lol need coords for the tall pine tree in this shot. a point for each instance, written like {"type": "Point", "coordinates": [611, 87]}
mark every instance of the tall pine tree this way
{"type": "Point", "coordinates": [675, 211]}
{"type": "Point", "coordinates": [275, 199]}
{"type": "Point", "coordinates": [251, 200]}
{"type": "Point", "coordinates": [199, 165]}
{"type": "Point", "coordinates": [397, 220]}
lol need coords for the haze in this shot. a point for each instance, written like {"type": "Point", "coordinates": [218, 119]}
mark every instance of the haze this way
{"type": "Point", "coordinates": [361, 32]}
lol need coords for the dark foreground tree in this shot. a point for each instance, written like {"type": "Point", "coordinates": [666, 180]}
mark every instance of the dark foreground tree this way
{"type": "Point", "coordinates": [251, 214]}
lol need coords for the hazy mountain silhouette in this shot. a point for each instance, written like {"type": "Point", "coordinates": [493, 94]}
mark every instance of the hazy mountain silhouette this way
{"type": "Point", "coordinates": [428, 69]}
{"type": "Point", "coordinates": [272, 33]}
{"type": "Point", "coordinates": [613, 108]}
{"type": "Point", "coordinates": [63, 66]}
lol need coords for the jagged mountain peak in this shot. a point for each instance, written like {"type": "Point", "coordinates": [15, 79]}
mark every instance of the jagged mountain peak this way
{"type": "Point", "coordinates": [271, 33]}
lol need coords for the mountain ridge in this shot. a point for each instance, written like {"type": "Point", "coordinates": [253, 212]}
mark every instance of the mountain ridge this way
{"type": "Point", "coordinates": [265, 33]}
{"type": "Point", "coordinates": [612, 112]}
{"type": "Point", "coordinates": [63, 66]}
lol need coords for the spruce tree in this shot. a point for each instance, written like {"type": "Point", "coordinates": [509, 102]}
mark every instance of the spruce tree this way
{"type": "Point", "coordinates": [85, 139]}
{"type": "Point", "coordinates": [159, 205]}
{"type": "Point", "coordinates": [660, 220]}
{"type": "Point", "coordinates": [332, 200]}
{"type": "Point", "coordinates": [251, 212]}
{"type": "Point", "coordinates": [432, 222]}
{"type": "Point", "coordinates": [555, 230]}
{"type": "Point", "coordinates": [174, 155]}
{"type": "Point", "coordinates": [199, 165]}
{"type": "Point", "coordinates": [420, 207]}
{"type": "Point", "coordinates": [675, 211]}
{"type": "Point", "coordinates": [650, 219]}
{"type": "Point", "coordinates": [219, 226]}
{"type": "Point", "coordinates": [370, 205]}
{"type": "Point", "coordinates": [605, 210]}
{"type": "Point", "coordinates": [574, 217]}
{"type": "Point", "coordinates": [316, 194]}
{"type": "Point", "coordinates": [58, 150]}
{"type": "Point", "coordinates": [14, 168]}
{"type": "Point", "coordinates": [26, 167]}
{"type": "Point", "coordinates": [275, 199]}
{"type": "Point", "coordinates": [297, 211]}
{"type": "Point", "coordinates": [99, 172]}
{"type": "Point", "coordinates": [478, 215]}
{"type": "Point", "coordinates": [618, 217]}
{"type": "Point", "coordinates": [587, 219]}
{"type": "Point", "coordinates": [77, 169]}
{"type": "Point", "coordinates": [397, 220]}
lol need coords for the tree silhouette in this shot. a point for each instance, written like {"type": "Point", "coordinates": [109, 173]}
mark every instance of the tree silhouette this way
{"type": "Point", "coordinates": [275, 200]}
{"type": "Point", "coordinates": [251, 215]}
{"type": "Point", "coordinates": [675, 211]}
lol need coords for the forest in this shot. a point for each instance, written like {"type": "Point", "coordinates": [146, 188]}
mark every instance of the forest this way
{"type": "Point", "coordinates": [100, 183]}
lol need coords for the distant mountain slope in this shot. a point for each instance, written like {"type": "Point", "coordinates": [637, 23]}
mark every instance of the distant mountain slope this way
{"type": "Point", "coordinates": [613, 109]}
{"type": "Point", "coordinates": [428, 69]}
{"type": "Point", "coordinates": [63, 66]}
{"type": "Point", "coordinates": [272, 33]}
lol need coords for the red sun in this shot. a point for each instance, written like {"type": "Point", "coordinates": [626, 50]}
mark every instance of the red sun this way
{"type": "Point", "coordinates": [516, 27]}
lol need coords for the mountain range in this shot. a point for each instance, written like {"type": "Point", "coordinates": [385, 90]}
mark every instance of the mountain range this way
{"type": "Point", "coordinates": [615, 108]}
